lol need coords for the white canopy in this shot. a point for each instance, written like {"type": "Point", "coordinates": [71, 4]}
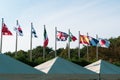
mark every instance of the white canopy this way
{"type": "Point", "coordinates": [11, 69]}
{"type": "Point", "coordinates": [105, 69]}
{"type": "Point", "coordinates": [59, 69]}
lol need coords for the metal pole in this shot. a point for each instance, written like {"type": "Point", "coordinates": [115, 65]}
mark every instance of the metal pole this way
{"type": "Point", "coordinates": [55, 41]}
{"type": "Point", "coordinates": [79, 44]}
{"type": "Point", "coordinates": [16, 39]}
{"type": "Point", "coordinates": [43, 46]}
{"type": "Point", "coordinates": [31, 43]}
{"type": "Point", "coordinates": [1, 36]}
{"type": "Point", "coordinates": [97, 49]}
{"type": "Point", "coordinates": [69, 44]}
{"type": "Point", "coordinates": [87, 51]}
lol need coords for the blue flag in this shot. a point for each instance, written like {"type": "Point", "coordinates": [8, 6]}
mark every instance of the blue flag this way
{"type": "Point", "coordinates": [93, 41]}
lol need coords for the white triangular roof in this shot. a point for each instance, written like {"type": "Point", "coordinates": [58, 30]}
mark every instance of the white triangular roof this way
{"type": "Point", "coordinates": [59, 68]}
{"type": "Point", "coordinates": [9, 65]}
{"type": "Point", "coordinates": [60, 65]}
{"type": "Point", "coordinates": [45, 67]}
{"type": "Point", "coordinates": [94, 66]}
{"type": "Point", "coordinates": [105, 69]}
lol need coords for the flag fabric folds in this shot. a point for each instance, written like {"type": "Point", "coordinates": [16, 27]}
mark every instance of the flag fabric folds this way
{"type": "Point", "coordinates": [84, 40]}
{"type": "Point", "coordinates": [45, 38]}
{"type": "Point", "coordinates": [93, 41]}
{"type": "Point", "coordinates": [90, 41]}
{"type": "Point", "coordinates": [61, 36]}
{"type": "Point", "coordinates": [103, 43]}
{"type": "Point", "coordinates": [33, 32]}
{"type": "Point", "coordinates": [5, 30]}
{"type": "Point", "coordinates": [19, 31]}
{"type": "Point", "coordinates": [71, 37]}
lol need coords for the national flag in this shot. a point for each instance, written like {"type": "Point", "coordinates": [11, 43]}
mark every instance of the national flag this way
{"type": "Point", "coordinates": [71, 37]}
{"type": "Point", "coordinates": [84, 40]}
{"type": "Point", "coordinates": [103, 43]}
{"type": "Point", "coordinates": [19, 31]}
{"type": "Point", "coordinates": [5, 30]}
{"type": "Point", "coordinates": [61, 36]}
{"type": "Point", "coordinates": [93, 41]}
{"type": "Point", "coordinates": [33, 32]}
{"type": "Point", "coordinates": [45, 38]}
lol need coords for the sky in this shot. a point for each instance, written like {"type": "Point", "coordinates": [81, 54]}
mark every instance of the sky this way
{"type": "Point", "coordinates": [99, 17]}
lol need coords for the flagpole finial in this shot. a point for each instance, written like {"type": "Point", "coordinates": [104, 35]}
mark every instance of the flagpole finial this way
{"type": "Point", "coordinates": [96, 36]}
{"type": "Point", "coordinates": [2, 20]}
{"type": "Point", "coordinates": [17, 22]}
{"type": "Point", "coordinates": [44, 26]}
{"type": "Point", "coordinates": [31, 23]}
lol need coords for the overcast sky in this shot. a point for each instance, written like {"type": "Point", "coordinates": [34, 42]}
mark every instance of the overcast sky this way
{"type": "Point", "coordinates": [101, 17]}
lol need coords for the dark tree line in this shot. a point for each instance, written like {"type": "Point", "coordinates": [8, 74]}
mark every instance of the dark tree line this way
{"type": "Point", "coordinates": [111, 54]}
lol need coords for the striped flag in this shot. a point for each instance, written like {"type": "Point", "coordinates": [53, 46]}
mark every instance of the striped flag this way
{"type": "Point", "coordinates": [84, 40]}
{"type": "Point", "coordinates": [45, 38]}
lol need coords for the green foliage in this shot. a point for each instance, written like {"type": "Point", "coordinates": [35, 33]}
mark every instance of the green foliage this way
{"type": "Point", "coordinates": [111, 54]}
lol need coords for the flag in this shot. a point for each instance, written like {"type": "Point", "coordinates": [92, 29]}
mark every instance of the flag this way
{"type": "Point", "coordinates": [33, 32]}
{"type": "Point", "coordinates": [45, 38]}
{"type": "Point", "coordinates": [93, 41]}
{"type": "Point", "coordinates": [84, 40]}
{"type": "Point", "coordinates": [71, 37]}
{"type": "Point", "coordinates": [19, 31]}
{"type": "Point", "coordinates": [5, 30]}
{"type": "Point", "coordinates": [62, 36]}
{"type": "Point", "coordinates": [103, 43]}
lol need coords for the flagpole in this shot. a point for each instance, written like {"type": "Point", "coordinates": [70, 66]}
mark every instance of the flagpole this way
{"type": "Point", "coordinates": [55, 41]}
{"type": "Point", "coordinates": [97, 48]}
{"type": "Point", "coordinates": [43, 47]}
{"type": "Point", "coordinates": [16, 40]}
{"type": "Point", "coordinates": [69, 44]}
{"type": "Point", "coordinates": [79, 44]}
{"type": "Point", "coordinates": [1, 36]}
{"type": "Point", "coordinates": [87, 51]}
{"type": "Point", "coordinates": [31, 42]}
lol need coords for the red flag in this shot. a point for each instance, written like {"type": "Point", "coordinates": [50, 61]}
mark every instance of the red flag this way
{"type": "Point", "coordinates": [5, 30]}
{"type": "Point", "coordinates": [72, 38]}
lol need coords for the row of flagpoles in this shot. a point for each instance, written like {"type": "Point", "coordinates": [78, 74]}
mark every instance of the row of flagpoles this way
{"type": "Point", "coordinates": [59, 36]}
{"type": "Point", "coordinates": [19, 32]}
{"type": "Point", "coordinates": [82, 39]}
